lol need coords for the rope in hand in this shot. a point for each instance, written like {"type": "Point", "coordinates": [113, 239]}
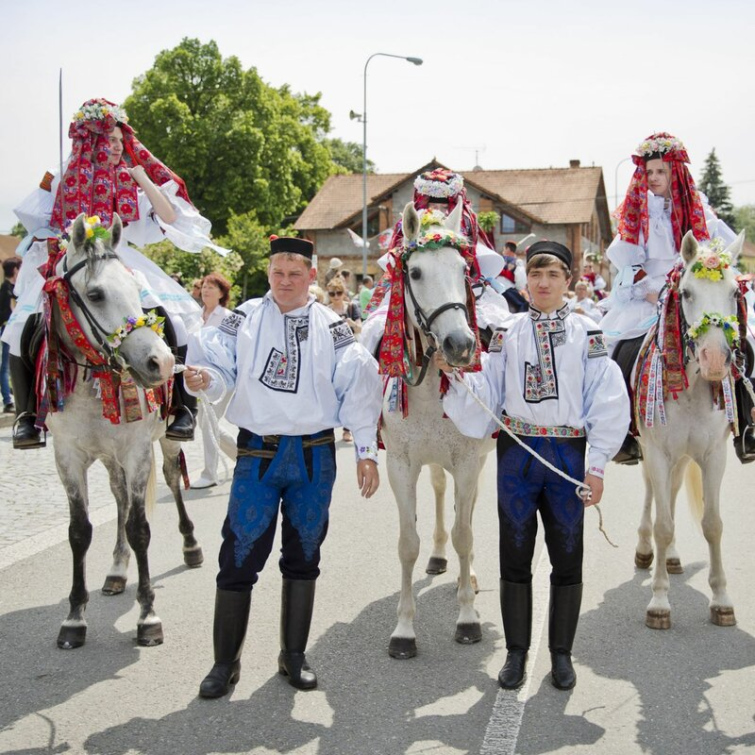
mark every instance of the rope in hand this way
{"type": "Point", "coordinates": [582, 490]}
{"type": "Point", "coordinates": [209, 421]}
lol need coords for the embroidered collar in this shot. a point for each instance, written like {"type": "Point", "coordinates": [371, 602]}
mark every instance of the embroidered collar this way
{"type": "Point", "coordinates": [559, 314]}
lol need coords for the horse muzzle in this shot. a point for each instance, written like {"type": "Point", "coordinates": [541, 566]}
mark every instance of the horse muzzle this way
{"type": "Point", "coordinates": [714, 363]}
{"type": "Point", "coordinates": [458, 348]}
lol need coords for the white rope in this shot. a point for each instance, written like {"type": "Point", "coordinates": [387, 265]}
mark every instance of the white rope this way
{"type": "Point", "coordinates": [582, 490]}
{"type": "Point", "coordinates": [210, 421]}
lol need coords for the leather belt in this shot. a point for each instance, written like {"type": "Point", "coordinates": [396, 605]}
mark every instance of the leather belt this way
{"type": "Point", "coordinates": [274, 441]}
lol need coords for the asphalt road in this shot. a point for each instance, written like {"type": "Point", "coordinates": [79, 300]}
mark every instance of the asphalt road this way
{"type": "Point", "coordinates": [685, 691]}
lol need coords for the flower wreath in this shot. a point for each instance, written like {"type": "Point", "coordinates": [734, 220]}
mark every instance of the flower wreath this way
{"type": "Point", "coordinates": [660, 144]}
{"type": "Point", "coordinates": [436, 239]}
{"type": "Point", "coordinates": [439, 184]}
{"type": "Point", "coordinates": [99, 110]}
{"type": "Point", "coordinates": [710, 264]}
{"type": "Point", "coordinates": [729, 324]}
{"type": "Point", "coordinates": [150, 320]}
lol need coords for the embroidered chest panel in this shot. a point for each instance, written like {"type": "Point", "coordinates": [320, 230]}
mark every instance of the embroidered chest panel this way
{"type": "Point", "coordinates": [541, 380]}
{"type": "Point", "coordinates": [282, 369]}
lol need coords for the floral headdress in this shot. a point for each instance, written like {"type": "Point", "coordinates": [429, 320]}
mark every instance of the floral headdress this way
{"type": "Point", "coordinates": [438, 184]}
{"type": "Point", "coordinates": [712, 262]}
{"type": "Point", "coordinates": [687, 208]}
{"type": "Point", "coordinates": [90, 183]}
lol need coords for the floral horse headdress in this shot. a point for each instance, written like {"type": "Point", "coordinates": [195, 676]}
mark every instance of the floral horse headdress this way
{"type": "Point", "coordinates": [687, 208]}
{"type": "Point", "coordinates": [90, 183]}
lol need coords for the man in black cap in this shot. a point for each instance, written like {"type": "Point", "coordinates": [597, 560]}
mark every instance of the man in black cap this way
{"type": "Point", "coordinates": [549, 377]}
{"type": "Point", "coordinates": [296, 372]}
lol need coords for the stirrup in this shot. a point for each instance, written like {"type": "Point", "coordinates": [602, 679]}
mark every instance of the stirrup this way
{"type": "Point", "coordinates": [744, 445]}
{"type": "Point", "coordinates": [630, 452]}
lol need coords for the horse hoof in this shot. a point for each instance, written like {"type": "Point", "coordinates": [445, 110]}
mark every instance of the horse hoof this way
{"type": "Point", "coordinates": [468, 634]}
{"type": "Point", "coordinates": [723, 616]}
{"type": "Point", "coordinates": [194, 557]}
{"type": "Point", "coordinates": [643, 560]}
{"type": "Point", "coordinates": [436, 565]}
{"type": "Point", "coordinates": [149, 635]}
{"type": "Point", "coordinates": [674, 566]}
{"type": "Point", "coordinates": [114, 585]}
{"type": "Point", "coordinates": [658, 618]}
{"type": "Point", "coordinates": [402, 648]}
{"type": "Point", "coordinates": [70, 637]}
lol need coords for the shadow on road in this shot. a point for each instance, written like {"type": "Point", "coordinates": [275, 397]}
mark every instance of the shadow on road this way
{"type": "Point", "coordinates": [669, 671]}
{"type": "Point", "coordinates": [372, 698]}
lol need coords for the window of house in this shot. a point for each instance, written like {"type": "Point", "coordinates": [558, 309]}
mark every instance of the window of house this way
{"type": "Point", "coordinates": [373, 226]}
{"type": "Point", "coordinates": [512, 225]}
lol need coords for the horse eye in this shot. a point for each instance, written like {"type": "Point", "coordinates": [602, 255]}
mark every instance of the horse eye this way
{"type": "Point", "coordinates": [415, 274]}
{"type": "Point", "coordinates": [686, 295]}
{"type": "Point", "coordinates": [95, 295]}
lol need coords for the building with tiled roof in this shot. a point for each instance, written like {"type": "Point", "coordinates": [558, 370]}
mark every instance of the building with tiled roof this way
{"type": "Point", "coordinates": [562, 204]}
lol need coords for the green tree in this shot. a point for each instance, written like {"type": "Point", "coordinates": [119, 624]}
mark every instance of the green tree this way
{"type": "Point", "coordinates": [18, 230]}
{"type": "Point", "coordinates": [239, 143]}
{"type": "Point", "coordinates": [744, 219]}
{"type": "Point", "coordinates": [348, 156]}
{"type": "Point", "coordinates": [713, 186]}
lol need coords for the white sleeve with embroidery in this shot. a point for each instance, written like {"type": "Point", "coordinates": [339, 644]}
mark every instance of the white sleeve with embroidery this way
{"type": "Point", "coordinates": [606, 408]}
{"type": "Point", "coordinates": [359, 390]}
{"type": "Point", "coordinates": [488, 385]}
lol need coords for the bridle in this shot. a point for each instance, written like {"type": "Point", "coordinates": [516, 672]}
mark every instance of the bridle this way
{"type": "Point", "coordinates": [424, 321]}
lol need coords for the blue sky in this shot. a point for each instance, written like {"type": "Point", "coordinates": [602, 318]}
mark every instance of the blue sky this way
{"type": "Point", "coordinates": [515, 84]}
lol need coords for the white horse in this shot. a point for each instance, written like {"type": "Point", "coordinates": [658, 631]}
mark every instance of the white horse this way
{"type": "Point", "coordinates": [435, 304]}
{"type": "Point", "coordinates": [696, 429]}
{"type": "Point", "coordinates": [101, 295]}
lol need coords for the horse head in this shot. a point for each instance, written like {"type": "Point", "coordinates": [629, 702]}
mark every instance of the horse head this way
{"type": "Point", "coordinates": [435, 287]}
{"type": "Point", "coordinates": [105, 299]}
{"type": "Point", "coordinates": [709, 295]}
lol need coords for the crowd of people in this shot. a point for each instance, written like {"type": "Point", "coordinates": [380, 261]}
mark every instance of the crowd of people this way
{"type": "Point", "coordinates": [289, 367]}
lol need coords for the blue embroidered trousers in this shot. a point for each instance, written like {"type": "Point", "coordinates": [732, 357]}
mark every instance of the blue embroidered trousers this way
{"type": "Point", "coordinates": [525, 486]}
{"type": "Point", "coordinates": [296, 480]}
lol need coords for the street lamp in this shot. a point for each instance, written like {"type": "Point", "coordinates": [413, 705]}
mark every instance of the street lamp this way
{"type": "Point", "coordinates": [363, 118]}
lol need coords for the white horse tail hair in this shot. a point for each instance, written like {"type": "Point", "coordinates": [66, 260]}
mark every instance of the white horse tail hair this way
{"type": "Point", "coordinates": [693, 484]}
{"type": "Point", "coordinates": [150, 494]}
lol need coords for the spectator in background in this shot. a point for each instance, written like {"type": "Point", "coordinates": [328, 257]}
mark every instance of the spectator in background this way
{"type": "Point", "coordinates": [11, 267]}
{"type": "Point", "coordinates": [368, 285]}
{"type": "Point", "coordinates": [582, 303]}
{"type": "Point", "coordinates": [196, 291]}
{"type": "Point", "coordinates": [216, 291]}
{"type": "Point", "coordinates": [334, 268]}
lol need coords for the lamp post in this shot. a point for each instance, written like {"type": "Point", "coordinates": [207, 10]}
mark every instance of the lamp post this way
{"type": "Point", "coordinates": [416, 62]}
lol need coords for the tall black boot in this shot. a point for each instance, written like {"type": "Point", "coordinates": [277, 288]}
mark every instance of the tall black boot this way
{"type": "Point", "coordinates": [297, 602]}
{"type": "Point", "coordinates": [625, 355]}
{"type": "Point", "coordinates": [516, 612]}
{"type": "Point", "coordinates": [25, 434]}
{"type": "Point", "coordinates": [744, 443]}
{"type": "Point", "coordinates": [562, 626]}
{"type": "Point", "coordinates": [228, 633]}
{"type": "Point", "coordinates": [185, 412]}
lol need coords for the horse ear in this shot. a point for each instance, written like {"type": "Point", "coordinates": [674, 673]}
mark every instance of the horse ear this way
{"type": "Point", "coordinates": [79, 231]}
{"type": "Point", "coordinates": [735, 248]}
{"type": "Point", "coordinates": [689, 247]}
{"type": "Point", "coordinates": [116, 229]}
{"type": "Point", "coordinates": [410, 223]}
{"type": "Point", "coordinates": [453, 221]}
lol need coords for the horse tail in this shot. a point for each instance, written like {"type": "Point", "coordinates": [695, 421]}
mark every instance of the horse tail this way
{"type": "Point", "coordinates": [693, 479]}
{"type": "Point", "coordinates": [151, 493]}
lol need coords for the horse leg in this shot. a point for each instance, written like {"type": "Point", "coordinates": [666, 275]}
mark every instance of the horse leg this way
{"type": "Point", "coordinates": [73, 630]}
{"type": "Point", "coordinates": [658, 614]}
{"type": "Point", "coordinates": [643, 555]}
{"type": "Point", "coordinates": [115, 581]}
{"type": "Point", "coordinates": [193, 556]}
{"type": "Point", "coordinates": [721, 606]}
{"type": "Point", "coordinates": [468, 628]}
{"type": "Point", "coordinates": [673, 562]}
{"type": "Point", "coordinates": [403, 480]}
{"type": "Point", "coordinates": [438, 562]}
{"type": "Point", "coordinates": [149, 629]}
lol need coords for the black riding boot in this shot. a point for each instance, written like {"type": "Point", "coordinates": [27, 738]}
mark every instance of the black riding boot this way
{"type": "Point", "coordinates": [297, 602]}
{"type": "Point", "coordinates": [185, 412]}
{"type": "Point", "coordinates": [625, 355]}
{"type": "Point", "coordinates": [562, 626]}
{"type": "Point", "coordinates": [229, 630]}
{"type": "Point", "coordinates": [744, 443]}
{"type": "Point", "coordinates": [516, 611]}
{"type": "Point", "coordinates": [25, 435]}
